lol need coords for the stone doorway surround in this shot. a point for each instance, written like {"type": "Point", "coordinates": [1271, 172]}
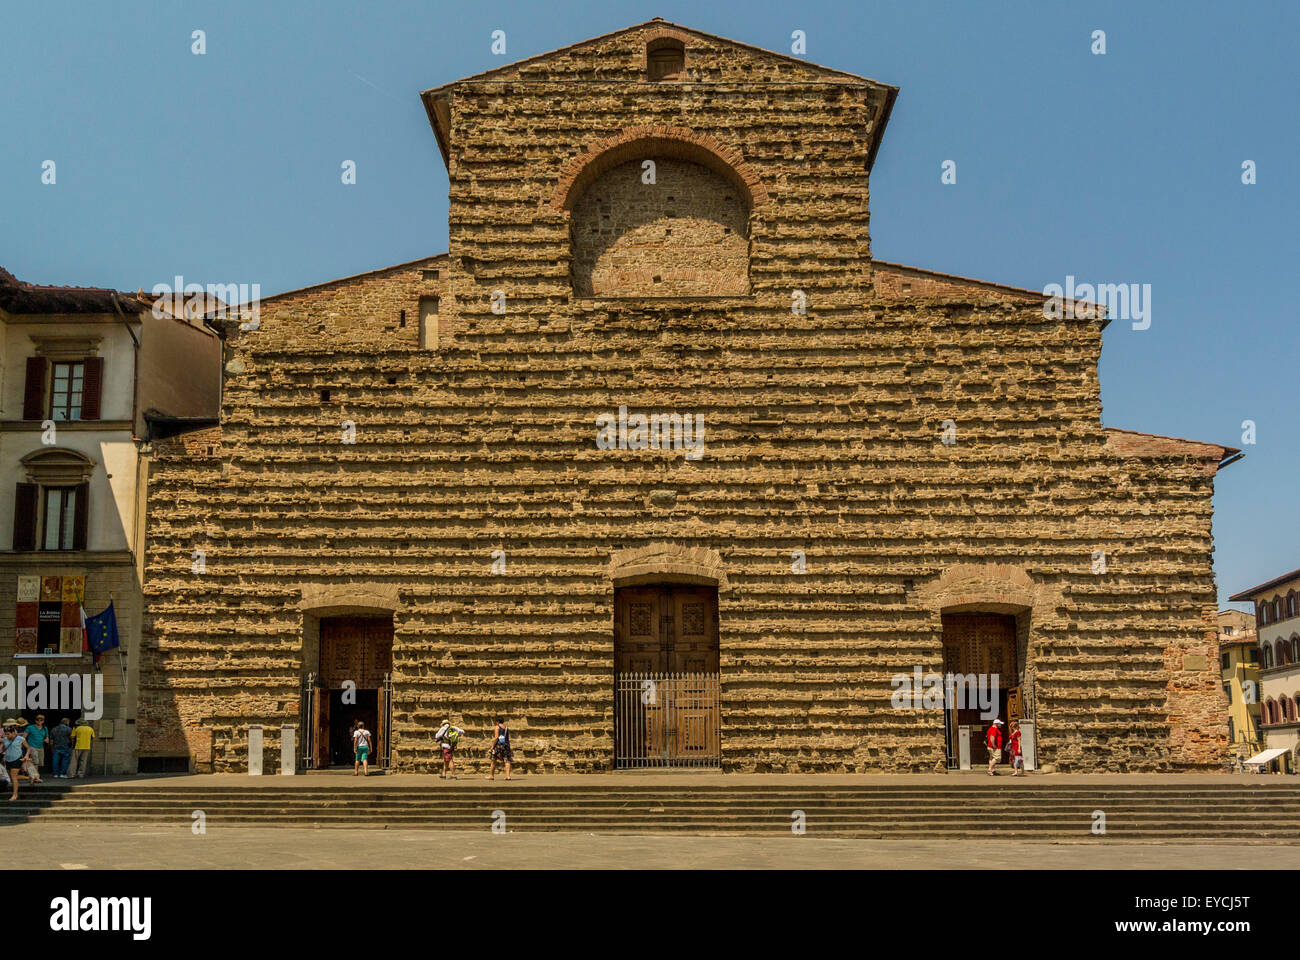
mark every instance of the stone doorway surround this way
{"type": "Point", "coordinates": [994, 588]}
{"type": "Point", "coordinates": [667, 562]}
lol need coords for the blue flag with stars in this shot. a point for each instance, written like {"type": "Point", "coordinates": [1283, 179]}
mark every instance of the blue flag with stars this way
{"type": "Point", "coordinates": [101, 632]}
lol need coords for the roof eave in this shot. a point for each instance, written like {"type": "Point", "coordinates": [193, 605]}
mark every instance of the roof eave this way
{"type": "Point", "coordinates": [878, 131]}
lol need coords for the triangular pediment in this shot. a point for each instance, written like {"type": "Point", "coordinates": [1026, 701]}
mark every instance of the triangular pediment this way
{"type": "Point", "coordinates": [620, 55]}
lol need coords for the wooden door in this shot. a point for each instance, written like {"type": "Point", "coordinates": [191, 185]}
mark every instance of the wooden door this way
{"type": "Point", "coordinates": [359, 649]}
{"type": "Point", "coordinates": [321, 728]}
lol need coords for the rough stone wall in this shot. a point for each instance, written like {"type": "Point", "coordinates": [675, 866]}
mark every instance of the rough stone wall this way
{"type": "Point", "coordinates": [823, 436]}
{"type": "Point", "coordinates": [489, 444]}
{"type": "Point", "coordinates": [684, 235]}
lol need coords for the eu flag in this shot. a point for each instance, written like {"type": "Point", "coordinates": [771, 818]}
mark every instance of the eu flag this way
{"type": "Point", "coordinates": [101, 632]}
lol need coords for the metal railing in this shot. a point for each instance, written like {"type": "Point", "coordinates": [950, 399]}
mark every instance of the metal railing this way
{"type": "Point", "coordinates": [667, 720]}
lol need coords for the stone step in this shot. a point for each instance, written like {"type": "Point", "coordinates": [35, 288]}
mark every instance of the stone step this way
{"type": "Point", "coordinates": [577, 817]}
{"type": "Point", "coordinates": [440, 793]}
{"type": "Point", "coordinates": [938, 830]}
{"type": "Point", "coordinates": [654, 805]}
{"type": "Point", "coordinates": [452, 799]}
{"type": "Point", "coordinates": [974, 809]}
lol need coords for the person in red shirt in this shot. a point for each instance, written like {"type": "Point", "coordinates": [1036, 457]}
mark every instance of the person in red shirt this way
{"type": "Point", "coordinates": [993, 739]}
{"type": "Point", "coordinates": [1013, 745]}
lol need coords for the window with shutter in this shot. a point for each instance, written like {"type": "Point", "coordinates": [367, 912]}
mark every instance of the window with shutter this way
{"type": "Point", "coordinates": [92, 387]}
{"type": "Point", "coordinates": [25, 516]}
{"type": "Point", "coordinates": [80, 516]}
{"type": "Point", "coordinates": [34, 389]}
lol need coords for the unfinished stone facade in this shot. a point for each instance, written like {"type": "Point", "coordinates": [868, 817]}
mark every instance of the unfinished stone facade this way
{"type": "Point", "coordinates": [925, 451]}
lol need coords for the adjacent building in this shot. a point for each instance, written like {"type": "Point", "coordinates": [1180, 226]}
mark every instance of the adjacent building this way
{"type": "Point", "coordinates": [83, 373]}
{"type": "Point", "coordinates": [658, 463]}
{"type": "Point", "coordinates": [1239, 665]}
{"type": "Point", "coordinates": [1277, 623]}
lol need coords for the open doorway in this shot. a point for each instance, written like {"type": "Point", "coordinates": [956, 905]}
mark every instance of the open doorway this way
{"type": "Point", "coordinates": [353, 683]}
{"type": "Point", "coordinates": [342, 717]}
{"type": "Point", "coordinates": [980, 647]}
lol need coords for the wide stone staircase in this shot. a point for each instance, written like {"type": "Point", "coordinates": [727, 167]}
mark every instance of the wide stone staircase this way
{"type": "Point", "coordinates": [1263, 809]}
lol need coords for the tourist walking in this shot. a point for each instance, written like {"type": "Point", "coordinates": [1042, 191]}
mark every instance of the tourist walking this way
{"type": "Point", "coordinates": [83, 735]}
{"type": "Point", "coordinates": [993, 740]}
{"type": "Point", "coordinates": [37, 732]}
{"type": "Point", "coordinates": [1013, 746]}
{"type": "Point", "coordinates": [500, 752]}
{"type": "Point", "coordinates": [16, 754]}
{"type": "Point", "coordinates": [361, 750]}
{"type": "Point", "coordinates": [448, 736]}
{"type": "Point", "coordinates": [61, 748]}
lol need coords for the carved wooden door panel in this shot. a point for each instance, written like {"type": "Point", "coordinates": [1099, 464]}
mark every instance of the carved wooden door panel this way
{"type": "Point", "coordinates": [638, 642]}
{"type": "Point", "coordinates": [693, 632]}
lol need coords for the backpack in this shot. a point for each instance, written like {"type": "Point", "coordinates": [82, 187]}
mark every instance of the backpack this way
{"type": "Point", "coordinates": [453, 735]}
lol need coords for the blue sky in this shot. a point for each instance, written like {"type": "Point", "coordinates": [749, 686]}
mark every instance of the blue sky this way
{"type": "Point", "coordinates": [1117, 168]}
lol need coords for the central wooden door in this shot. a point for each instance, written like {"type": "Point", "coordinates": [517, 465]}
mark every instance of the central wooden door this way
{"type": "Point", "coordinates": [666, 676]}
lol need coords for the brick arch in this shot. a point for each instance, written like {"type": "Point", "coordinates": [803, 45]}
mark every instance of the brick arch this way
{"type": "Point", "coordinates": [667, 562]}
{"type": "Point", "coordinates": [679, 143]}
{"type": "Point", "coordinates": [665, 33]}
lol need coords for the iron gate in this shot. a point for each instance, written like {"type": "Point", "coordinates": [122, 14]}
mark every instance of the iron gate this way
{"type": "Point", "coordinates": [307, 723]}
{"type": "Point", "coordinates": [386, 720]}
{"type": "Point", "coordinates": [667, 720]}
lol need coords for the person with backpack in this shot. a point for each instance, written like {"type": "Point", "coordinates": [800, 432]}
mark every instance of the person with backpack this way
{"type": "Point", "coordinates": [993, 740]}
{"type": "Point", "coordinates": [361, 748]}
{"type": "Point", "coordinates": [500, 752]}
{"type": "Point", "coordinates": [448, 736]}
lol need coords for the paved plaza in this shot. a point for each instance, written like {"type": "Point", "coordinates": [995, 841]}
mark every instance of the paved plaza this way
{"type": "Point", "coordinates": [49, 846]}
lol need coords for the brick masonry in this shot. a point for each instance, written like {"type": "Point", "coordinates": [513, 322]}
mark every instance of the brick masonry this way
{"type": "Point", "coordinates": [823, 436]}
